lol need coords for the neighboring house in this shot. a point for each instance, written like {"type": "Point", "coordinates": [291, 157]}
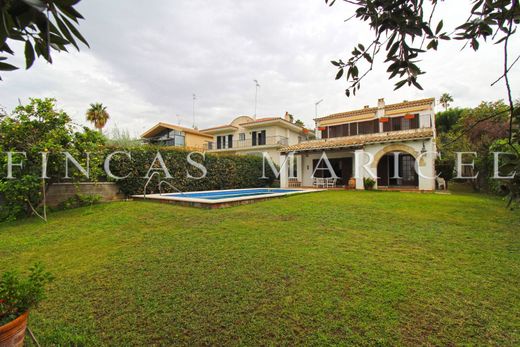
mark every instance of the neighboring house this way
{"type": "Point", "coordinates": [395, 135]}
{"type": "Point", "coordinates": [245, 135]}
{"type": "Point", "coordinates": [165, 134]}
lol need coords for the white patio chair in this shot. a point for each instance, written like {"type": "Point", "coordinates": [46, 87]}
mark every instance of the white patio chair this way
{"type": "Point", "coordinates": [331, 182]}
{"type": "Point", "coordinates": [319, 182]}
{"type": "Point", "coordinates": [441, 183]}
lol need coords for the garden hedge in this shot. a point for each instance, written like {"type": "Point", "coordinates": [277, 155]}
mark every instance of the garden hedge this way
{"type": "Point", "coordinates": [223, 171]}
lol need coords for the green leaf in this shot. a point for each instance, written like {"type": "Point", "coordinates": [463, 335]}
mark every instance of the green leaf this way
{"type": "Point", "coordinates": [335, 63]}
{"type": "Point", "coordinates": [439, 28]}
{"type": "Point", "coordinates": [416, 84]}
{"type": "Point", "coordinates": [393, 49]}
{"type": "Point", "coordinates": [75, 31]}
{"type": "Point", "coordinates": [399, 84]}
{"type": "Point", "coordinates": [7, 67]}
{"type": "Point", "coordinates": [29, 54]}
{"type": "Point", "coordinates": [355, 72]}
{"type": "Point", "coordinates": [70, 12]}
{"type": "Point", "coordinates": [66, 32]}
{"type": "Point", "coordinates": [339, 74]}
{"type": "Point", "coordinates": [474, 44]}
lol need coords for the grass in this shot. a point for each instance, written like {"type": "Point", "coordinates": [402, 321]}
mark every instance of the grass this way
{"type": "Point", "coordinates": [345, 268]}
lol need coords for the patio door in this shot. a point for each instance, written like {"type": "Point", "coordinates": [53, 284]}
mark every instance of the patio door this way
{"type": "Point", "coordinates": [342, 168]}
{"type": "Point", "coordinates": [406, 175]}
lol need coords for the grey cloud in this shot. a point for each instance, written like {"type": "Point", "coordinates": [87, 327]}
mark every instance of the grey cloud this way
{"type": "Point", "coordinates": [147, 58]}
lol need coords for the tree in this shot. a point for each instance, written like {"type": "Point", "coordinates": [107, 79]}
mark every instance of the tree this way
{"type": "Point", "coordinates": [474, 131]}
{"type": "Point", "coordinates": [446, 120]}
{"type": "Point", "coordinates": [98, 115]}
{"type": "Point", "coordinates": [35, 128]}
{"type": "Point", "coordinates": [445, 100]}
{"type": "Point", "coordinates": [43, 25]}
{"type": "Point", "coordinates": [300, 123]}
{"type": "Point", "coordinates": [405, 30]}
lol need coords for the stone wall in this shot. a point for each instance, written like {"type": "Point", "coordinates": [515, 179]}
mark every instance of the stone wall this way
{"type": "Point", "coordinates": [59, 192]}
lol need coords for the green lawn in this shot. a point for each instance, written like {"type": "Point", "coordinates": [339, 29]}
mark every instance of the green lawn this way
{"type": "Point", "coordinates": [347, 268]}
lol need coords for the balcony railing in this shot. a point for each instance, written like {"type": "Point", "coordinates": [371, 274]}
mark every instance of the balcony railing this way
{"type": "Point", "coordinates": [248, 143]}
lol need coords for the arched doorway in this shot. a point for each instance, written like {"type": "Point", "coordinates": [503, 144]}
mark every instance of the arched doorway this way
{"type": "Point", "coordinates": [397, 169]}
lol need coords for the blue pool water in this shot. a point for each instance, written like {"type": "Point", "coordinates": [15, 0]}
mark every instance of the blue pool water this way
{"type": "Point", "coordinates": [226, 194]}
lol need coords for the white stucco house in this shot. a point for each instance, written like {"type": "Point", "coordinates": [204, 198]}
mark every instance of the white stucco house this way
{"type": "Point", "coordinates": [395, 143]}
{"type": "Point", "coordinates": [247, 135]}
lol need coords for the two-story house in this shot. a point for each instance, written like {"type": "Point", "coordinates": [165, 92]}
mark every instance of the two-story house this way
{"type": "Point", "coordinates": [395, 143]}
{"type": "Point", "coordinates": [246, 135]}
{"type": "Point", "coordinates": [164, 134]}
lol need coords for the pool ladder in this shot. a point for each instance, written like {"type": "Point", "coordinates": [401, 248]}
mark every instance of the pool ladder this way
{"type": "Point", "coordinates": [160, 185]}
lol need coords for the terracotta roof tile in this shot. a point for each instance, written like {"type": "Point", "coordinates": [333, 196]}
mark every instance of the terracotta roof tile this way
{"type": "Point", "coordinates": [151, 132]}
{"type": "Point", "coordinates": [412, 103]}
{"type": "Point", "coordinates": [263, 120]}
{"type": "Point", "coordinates": [360, 140]}
{"type": "Point", "coordinates": [220, 127]}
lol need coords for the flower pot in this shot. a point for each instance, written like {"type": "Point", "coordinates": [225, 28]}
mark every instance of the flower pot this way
{"type": "Point", "coordinates": [12, 334]}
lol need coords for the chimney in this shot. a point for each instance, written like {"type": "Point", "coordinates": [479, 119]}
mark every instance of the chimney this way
{"type": "Point", "coordinates": [381, 103]}
{"type": "Point", "coordinates": [288, 117]}
{"type": "Point", "coordinates": [366, 106]}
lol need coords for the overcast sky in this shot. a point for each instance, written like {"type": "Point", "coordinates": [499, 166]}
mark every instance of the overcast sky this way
{"type": "Point", "coordinates": [147, 58]}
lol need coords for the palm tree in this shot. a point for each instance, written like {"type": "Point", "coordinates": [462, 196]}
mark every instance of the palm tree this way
{"type": "Point", "coordinates": [445, 100]}
{"type": "Point", "coordinates": [98, 115]}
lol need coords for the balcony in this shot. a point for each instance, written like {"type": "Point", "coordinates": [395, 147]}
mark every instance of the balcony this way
{"type": "Point", "coordinates": [248, 143]}
{"type": "Point", "coordinates": [388, 124]}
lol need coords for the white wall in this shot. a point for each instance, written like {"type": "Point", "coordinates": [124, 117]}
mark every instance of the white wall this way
{"type": "Point", "coordinates": [426, 162]}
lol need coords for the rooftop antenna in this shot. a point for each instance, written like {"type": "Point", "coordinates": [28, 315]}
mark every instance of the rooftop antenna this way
{"type": "Point", "coordinates": [316, 106]}
{"type": "Point", "coordinates": [257, 85]}
{"type": "Point", "coordinates": [178, 118]}
{"type": "Point", "coordinates": [194, 98]}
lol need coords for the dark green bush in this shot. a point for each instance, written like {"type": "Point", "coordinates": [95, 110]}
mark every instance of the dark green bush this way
{"type": "Point", "coordinates": [80, 200]}
{"type": "Point", "coordinates": [369, 182]}
{"type": "Point", "coordinates": [223, 171]}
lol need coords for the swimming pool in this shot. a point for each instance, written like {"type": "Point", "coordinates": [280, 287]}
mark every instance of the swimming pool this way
{"type": "Point", "coordinates": [234, 193]}
{"type": "Point", "coordinates": [221, 198]}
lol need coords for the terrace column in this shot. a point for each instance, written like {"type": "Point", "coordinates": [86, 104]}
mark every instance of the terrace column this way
{"type": "Point", "coordinates": [361, 173]}
{"type": "Point", "coordinates": [284, 172]}
{"type": "Point", "coordinates": [299, 165]}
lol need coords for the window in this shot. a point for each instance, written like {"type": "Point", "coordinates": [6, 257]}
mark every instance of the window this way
{"type": "Point", "coordinates": [242, 137]}
{"type": "Point", "coordinates": [401, 123]}
{"type": "Point", "coordinates": [407, 168]}
{"type": "Point", "coordinates": [258, 138]}
{"type": "Point", "coordinates": [292, 167]}
{"type": "Point", "coordinates": [353, 129]}
{"type": "Point", "coordinates": [368, 127]}
{"type": "Point", "coordinates": [222, 142]}
{"type": "Point", "coordinates": [179, 138]}
{"type": "Point", "coordinates": [170, 138]}
{"type": "Point", "coordinates": [338, 130]}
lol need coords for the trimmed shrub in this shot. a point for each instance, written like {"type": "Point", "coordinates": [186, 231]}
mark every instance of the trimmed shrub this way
{"type": "Point", "coordinates": [223, 171]}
